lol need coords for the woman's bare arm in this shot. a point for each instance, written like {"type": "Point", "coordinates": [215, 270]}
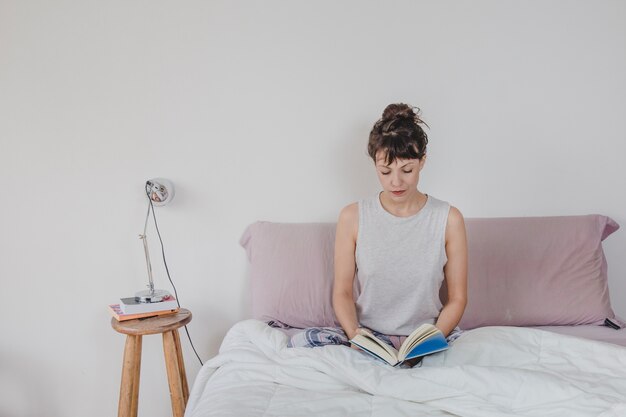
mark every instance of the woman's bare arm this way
{"type": "Point", "coordinates": [345, 267]}
{"type": "Point", "coordinates": [455, 272]}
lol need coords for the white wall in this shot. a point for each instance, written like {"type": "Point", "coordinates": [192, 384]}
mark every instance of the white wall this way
{"type": "Point", "coordinates": [261, 110]}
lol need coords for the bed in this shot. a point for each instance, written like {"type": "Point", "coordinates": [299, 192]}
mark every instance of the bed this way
{"type": "Point", "coordinates": [540, 337]}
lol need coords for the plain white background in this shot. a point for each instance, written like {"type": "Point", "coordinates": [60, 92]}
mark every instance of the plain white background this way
{"type": "Point", "coordinates": [261, 111]}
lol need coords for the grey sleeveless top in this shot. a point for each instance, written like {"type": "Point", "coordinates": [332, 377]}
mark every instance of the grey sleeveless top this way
{"type": "Point", "coordinates": [400, 264]}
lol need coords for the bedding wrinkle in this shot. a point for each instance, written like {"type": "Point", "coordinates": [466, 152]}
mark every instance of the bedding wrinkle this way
{"type": "Point", "coordinates": [265, 414]}
{"type": "Point", "coordinates": [564, 365]}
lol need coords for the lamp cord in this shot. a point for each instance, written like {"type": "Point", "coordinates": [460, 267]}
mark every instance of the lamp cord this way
{"type": "Point", "coordinates": [156, 226]}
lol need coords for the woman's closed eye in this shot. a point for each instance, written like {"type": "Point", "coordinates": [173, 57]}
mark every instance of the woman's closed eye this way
{"type": "Point", "coordinates": [389, 172]}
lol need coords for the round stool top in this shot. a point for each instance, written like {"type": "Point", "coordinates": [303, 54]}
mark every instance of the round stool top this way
{"type": "Point", "coordinates": [153, 325]}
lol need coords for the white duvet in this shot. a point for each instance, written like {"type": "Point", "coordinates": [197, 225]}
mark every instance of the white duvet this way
{"type": "Point", "coordinates": [491, 371]}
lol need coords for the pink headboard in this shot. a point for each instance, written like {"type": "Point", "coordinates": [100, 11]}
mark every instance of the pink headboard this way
{"type": "Point", "coordinates": [529, 271]}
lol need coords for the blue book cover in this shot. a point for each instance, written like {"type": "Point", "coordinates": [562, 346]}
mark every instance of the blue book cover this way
{"type": "Point", "coordinates": [433, 344]}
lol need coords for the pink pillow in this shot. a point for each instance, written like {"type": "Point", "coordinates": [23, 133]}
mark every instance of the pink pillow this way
{"type": "Point", "coordinates": [531, 271]}
{"type": "Point", "coordinates": [537, 271]}
{"type": "Point", "coordinates": [291, 272]}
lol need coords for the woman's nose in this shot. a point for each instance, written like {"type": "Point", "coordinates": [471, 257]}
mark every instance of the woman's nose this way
{"type": "Point", "coordinates": [395, 180]}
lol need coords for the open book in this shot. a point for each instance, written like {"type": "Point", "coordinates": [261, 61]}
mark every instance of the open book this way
{"type": "Point", "coordinates": [424, 340]}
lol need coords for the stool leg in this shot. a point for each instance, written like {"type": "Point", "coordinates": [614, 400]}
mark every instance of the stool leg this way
{"type": "Point", "coordinates": [129, 387]}
{"type": "Point", "coordinates": [173, 374]}
{"type": "Point", "coordinates": [181, 366]}
{"type": "Point", "coordinates": [136, 369]}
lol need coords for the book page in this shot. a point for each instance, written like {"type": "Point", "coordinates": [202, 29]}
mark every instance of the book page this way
{"type": "Point", "coordinates": [418, 335]}
{"type": "Point", "coordinates": [367, 341]}
{"type": "Point", "coordinates": [435, 343]}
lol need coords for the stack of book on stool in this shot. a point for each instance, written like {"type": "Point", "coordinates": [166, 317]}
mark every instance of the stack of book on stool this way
{"type": "Point", "coordinates": [129, 308]}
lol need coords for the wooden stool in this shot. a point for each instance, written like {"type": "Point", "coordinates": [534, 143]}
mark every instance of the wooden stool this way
{"type": "Point", "coordinates": [177, 379]}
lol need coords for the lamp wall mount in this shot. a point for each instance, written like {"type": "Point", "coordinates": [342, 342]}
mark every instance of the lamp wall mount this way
{"type": "Point", "coordinates": [160, 191]}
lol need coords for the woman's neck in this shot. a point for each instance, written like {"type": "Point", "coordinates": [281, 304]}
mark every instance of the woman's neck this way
{"type": "Point", "coordinates": [406, 207]}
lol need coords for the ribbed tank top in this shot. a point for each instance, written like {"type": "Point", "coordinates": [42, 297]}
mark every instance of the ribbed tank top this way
{"type": "Point", "coordinates": [400, 264]}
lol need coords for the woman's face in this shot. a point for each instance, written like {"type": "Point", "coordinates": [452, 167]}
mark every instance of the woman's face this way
{"type": "Point", "coordinates": [399, 178]}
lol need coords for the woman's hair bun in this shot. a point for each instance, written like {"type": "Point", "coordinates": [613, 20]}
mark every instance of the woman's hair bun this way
{"type": "Point", "coordinates": [398, 111]}
{"type": "Point", "coordinates": [398, 134]}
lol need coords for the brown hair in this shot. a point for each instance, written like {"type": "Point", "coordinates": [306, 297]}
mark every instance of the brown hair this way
{"type": "Point", "coordinates": [399, 134]}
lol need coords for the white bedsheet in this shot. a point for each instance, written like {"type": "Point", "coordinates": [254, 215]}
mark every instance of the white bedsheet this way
{"type": "Point", "coordinates": [491, 371]}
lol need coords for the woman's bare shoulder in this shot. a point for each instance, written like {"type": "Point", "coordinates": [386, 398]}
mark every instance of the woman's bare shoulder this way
{"type": "Point", "coordinates": [349, 219]}
{"type": "Point", "coordinates": [351, 210]}
{"type": "Point", "coordinates": [456, 222]}
{"type": "Point", "coordinates": [455, 215]}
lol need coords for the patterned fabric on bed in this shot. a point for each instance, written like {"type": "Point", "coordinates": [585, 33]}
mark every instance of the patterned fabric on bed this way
{"type": "Point", "coordinates": [322, 336]}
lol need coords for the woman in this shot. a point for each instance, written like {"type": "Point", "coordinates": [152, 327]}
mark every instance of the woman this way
{"type": "Point", "coordinates": [401, 244]}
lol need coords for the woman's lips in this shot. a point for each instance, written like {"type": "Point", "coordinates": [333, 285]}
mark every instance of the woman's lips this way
{"type": "Point", "coordinates": [398, 192]}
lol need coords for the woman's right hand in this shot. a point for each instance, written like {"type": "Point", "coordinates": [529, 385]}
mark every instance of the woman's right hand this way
{"type": "Point", "coordinates": [354, 333]}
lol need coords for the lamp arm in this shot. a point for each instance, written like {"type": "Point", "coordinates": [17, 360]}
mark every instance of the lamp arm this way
{"type": "Point", "coordinates": [144, 238]}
